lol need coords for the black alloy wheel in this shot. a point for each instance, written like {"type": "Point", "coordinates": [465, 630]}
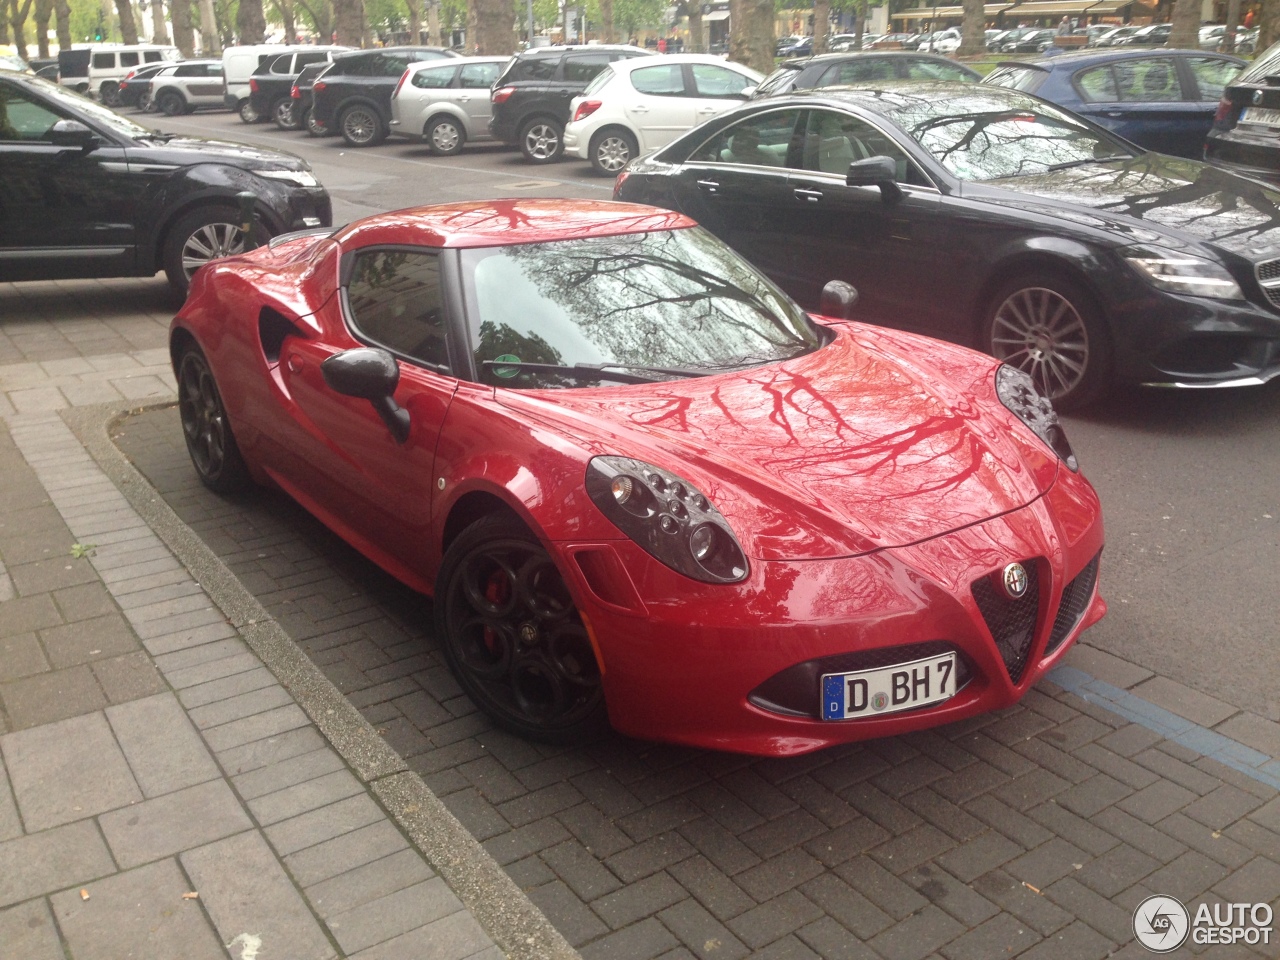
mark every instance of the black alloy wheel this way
{"type": "Point", "coordinates": [284, 113]}
{"type": "Point", "coordinates": [512, 635]}
{"type": "Point", "coordinates": [171, 104]}
{"type": "Point", "coordinates": [205, 426]}
{"type": "Point", "coordinates": [207, 233]}
{"type": "Point", "coordinates": [1049, 327]}
{"type": "Point", "coordinates": [541, 140]}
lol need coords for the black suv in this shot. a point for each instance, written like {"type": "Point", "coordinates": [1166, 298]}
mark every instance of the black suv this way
{"type": "Point", "coordinates": [531, 97]}
{"type": "Point", "coordinates": [88, 193]}
{"type": "Point", "coordinates": [860, 67]}
{"type": "Point", "coordinates": [271, 85]}
{"type": "Point", "coordinates": [353, 97]}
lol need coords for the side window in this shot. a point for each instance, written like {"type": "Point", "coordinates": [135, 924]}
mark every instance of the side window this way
{"type": "Point", "coordinates": [581, 69]}
{"type": "Point", "coordinates": [935, 70]}
{"type": "Point", "coordinates": [282, 64]}
{"type": "Point", "coordinates": [303, 59]}
{"type": "Point", "coordinates": [661, 81]}
{"type": "Point", "coordinates": [389, 66]}
{"type": "Point", "coordinates": [859, 71]}
{"type": "Point", "coordinates": [1147, 81]}
{"type": "Point", "coordinates": [479, 75]}
{"type": "Point", "coordinates": [190, 70]}
{"type": "Point", "coordinates": [151, 56]}
{"type": "Point", "coordinates": [129, 59]}
{"type": "Point", "coordinates": [536, 68]}
{"type": "Point", "coordinates": [763, 140]}
{"type": "Point", "coordinates": [104, 61]}
{"type": "Point", "coordinates": [712, 81]}
{"type": "Point", "coordinates": [22, 118]}
{"type": "Point", "coordinates": [434, 79]}
{"type": "Point", "coordinates": [1097, 85]}
{"type": "Point", "coordinates": [395, 302]}
{"type": "Point", "coordinates": [833, 140]}
{"type": "Point", "coordinates": [1212, 75]}
{"type": "Point", "coordinates": [214, 70]}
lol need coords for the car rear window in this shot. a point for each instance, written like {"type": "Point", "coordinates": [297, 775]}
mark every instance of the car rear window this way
{"type": "Point", "coordinates": [581, 69]}
{"type": "Point", "coordinates": [1212, 75]}
{"type": "Point", "coordinates": [534, 68]}
{"type": "Point", "coordinates": [937, 70]}
{"type": "Point", "coordinates": [864, 70]}
{"type": "Point", "coordinates": [1268, 64]}
{"type": "Point", "coordinates": [778, 81]}
{"type": "Point", "coordinates": [434, 78]}
{"type": "Point", "coordinates": [1026, 79]}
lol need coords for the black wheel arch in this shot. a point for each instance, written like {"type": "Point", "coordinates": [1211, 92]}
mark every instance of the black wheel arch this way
{"type": "Point", "coordinates": [1072, 265]}
{"type": "Point", "coordinates": [206, 198]}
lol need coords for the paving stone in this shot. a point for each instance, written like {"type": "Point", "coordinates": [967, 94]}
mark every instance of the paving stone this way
{"type": "Point", "coordinates": [1187, 876]}
{"type": "Point", "coordinates": [705, 936]}
{"type": "Point", "coordinates": [1031, 789]}
{"type": "Point", "coordinates": [1105, 667]}
{"type": "Point", "coordinates": [287, 773]}
{"type": "Point", "coordinates": [369, 882]}
{"type": "Point", "coordinates": [1114, 765]}
{"type": "Point", "coordinates": [348, 851]}
{"type": "Point", "coordinates": [269, 750]}
{"type": "Point", "coordinates": [304, 797]}
{"type": "Point", "coordinates": [1116, 870]}
{"type": "Point", "coordinates": [1184, 701]}
{"type": "Point", "coordinates": [475, 813]}
{"type": "Point", "coordinates": [1076, 942]}
{"type": "Point", "coordinates": [775, 919]}
{"type": "Point", "coordinates": [1034, 909]}
{"type": "Point", "coordinates": [96, 639]}
{"type": "Point", "coordinates": [830, 940]}
{"type": "Point", "coordinates": [1154, 803]}
{"type": "Point", "coordinates": [1002, 935]}
{"type": "Point", "coordinates": [846, 905]}
{"type": "Point", "coordinates": [789, 947]}
{"type": "Point", "coordinates": [531, 838]}
{"type": "Point", "coordinates": [49, 697]}
{"type": "Point", "coordinates": [638, 900]}
{"type": "Point", "coordinates": [721, 847]}
{"type": "Point", "coordinates": [584, 874]}
{"type": "Point", "coordinates": [566, 911]}
{"type": "Point", "coordinates": [259, 726]}
{"type": "Point", "coordinates": [881, 887]}
{"type": "Point", "coordinates": [980, 855]}
{"type": "Point", "coordinates": [957, 898]}
{"type": "Point", "coordinates": [1155, 843]}
{"type": "Point", "coordinates": [67, 771]}
{"type": "Point", "coordinates": [943, 814]}
{"type": "Point", "coordinates": [26, 614]}
{"type": "Point", "coordinates": [1253, 731]}
{"type": "Point", "coordinates": [642, 941]}
{"type": "Point", "coordinates": [1012, 824]}
{"type": "Point", "coordinates": [10, 823]}
{"type": "Point", "coordinates": [1212, 843]}
{"type": "Point", "coordinates": [1073, 829]}
{"type": "Point", "coordinates": [454, 937]}
{"type": "Point", "coordinates": [711, 887]}
{"type": "Point", "coordinates": [323, 824]}
{"type": "Point", "coordinates": [245, 890]}
{"type": "Point", "coordinates": [238, 707]}
{"type": "Point", "coordinates": [643, 859]}
{"type": "Point", "coordinates": [917, 936]}
{"type": "Point", "coordinates": [21, 656]}
{"type": "Point", "coordinates": [1049, 862]}
{"type": "Point", "coordinates": [164, 751]}
{"type": "Point", "coordinates": [391, 915]}
{"type": "Point", "coordinates": [1130, 740]}
{"type": "Point", "coordinates": [878, 806]}
{"type": "Point", "coordinates": [128, 677]}
{"type": "Point", "coordinates": [914, 847]}
{"type": "Point", "coordinates": [1258, 881]}
{"type": "Point", "coordinates": [1222, 807]}
{"type": "Point", "coordinates": [138, 913]}
{"type": "Point", "coordinates": [27, 932]}
{"type": "Point", "coordinates": [783, 872]}
{"type": "Point", "coordinates": [1179, 771]}
{"type": "Point", "coordinates": [177, 821]}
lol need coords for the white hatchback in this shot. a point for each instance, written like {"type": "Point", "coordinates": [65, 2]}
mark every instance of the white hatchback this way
{"type": "Point", "coordinates": [446, 102]}
{"type": "Point", "coordinates": [635, 106]}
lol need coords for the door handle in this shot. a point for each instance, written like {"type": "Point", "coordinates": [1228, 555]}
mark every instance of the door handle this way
{"type": "Point", "coordinates": [711, 186]}
{"type": "Point", "coordinates": [813, 196]}
{"type": "Point", "coordinates": [1114, 114]}
{"type": "Point", "coordinates": [639, 109]}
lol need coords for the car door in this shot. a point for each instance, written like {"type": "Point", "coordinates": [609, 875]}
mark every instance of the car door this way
{"type": "Point", "coordinates": [429, 87]}
{"type": "Point", "coordinates": [64, 211]}
{"type": "Point", "coordinates": [890, 248]}
{"type": "Point", "coordinates": [379, 488]}
{"type": "Point", "coordinates": [657, 105]}
{"type": "Point", "coordinates": [1143, 100]}
{"type": "Point", "coordinates": [736, 185]}
{"type": "Point", "coordinates": [474, 81]}
{"type": "Point", "coordinates": [205, 83]}
{"type": "Point", "coordinates": [1210, 76]}
{"type": "Point", "coordinates": [714, 89]}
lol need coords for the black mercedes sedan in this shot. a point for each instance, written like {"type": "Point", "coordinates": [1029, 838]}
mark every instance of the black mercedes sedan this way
{"type": "Point", "coordinates": [990, 217]}
{"type": "Point", "coordinates": [85, 192]}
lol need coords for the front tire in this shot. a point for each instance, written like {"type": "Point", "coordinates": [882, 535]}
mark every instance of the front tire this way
{"type": "Point", "coordinates": [206, 427]}
{"type": "Point", "coordinates": [445, 136]}
{"type": "Point", "coordinates": [284, 114]}
{"type": "Point", "coordinates": [309, 123]}
{"type": "Point", "coordinates": [170, 104]}
{"type": "Point", "coordinates": [542, 140]}
{"type": "Point", "coordinates": [205, 234]}
{"type": "Point", "coordinates": [109, 93]}
{"type": "Point", "coordinates": [361, 126]}
{"type": "Point", "coordinates": [1051, 328]}
{"type": "Point", "coordinates": [248, 112]}
{"type": "Point", "coordinates": [512, 635]}
{"type": "Point", "coordinates": [611, 150]}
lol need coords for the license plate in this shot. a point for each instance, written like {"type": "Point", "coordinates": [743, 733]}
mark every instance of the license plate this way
{"type": "Point", "coordinates": [1266, 118]}
{"type": "Point", "coordinates": [903, 686]}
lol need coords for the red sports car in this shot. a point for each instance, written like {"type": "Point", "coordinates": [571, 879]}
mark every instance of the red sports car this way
{"type": "Point", "coordinates": [642, 485]}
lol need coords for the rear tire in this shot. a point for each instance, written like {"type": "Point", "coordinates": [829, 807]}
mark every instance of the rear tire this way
{"type": "Point", "coordinates": [361, 126]}
{"type": "Point", "coordinates": [109, 93]}
{"type": "Point", "coordinates": [284, 113]}
{"type": "Point", "coordinates": [541, 140]}
{"type": "Point", "coordinates": [170, 104]}
{"type": "Point", "coordinates": [309, 122]}
{"type": "Point", "coordinates": [611, 150]}
{"type": "Point", "coordinates": [445, 136]}
{"type": "Point", "coordinates": [206, 428]}
{"type": "Point", "coordinates": [248, 112]}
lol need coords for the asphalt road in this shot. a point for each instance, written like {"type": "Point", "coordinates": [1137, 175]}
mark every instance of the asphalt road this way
{"type": "Point", "coordinates": [1190, 481]}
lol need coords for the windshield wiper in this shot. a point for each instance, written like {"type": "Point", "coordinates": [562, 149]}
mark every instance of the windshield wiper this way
{"type": "Point", "coordinates": [154, 135]}
{"type": "Point", "coordinates": [599, 371]}
{"type": "Point", "coordinates": [1079, 163]}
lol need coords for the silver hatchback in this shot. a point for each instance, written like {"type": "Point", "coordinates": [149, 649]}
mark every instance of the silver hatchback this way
{"type": "Point", "coordinates": [446, 103]}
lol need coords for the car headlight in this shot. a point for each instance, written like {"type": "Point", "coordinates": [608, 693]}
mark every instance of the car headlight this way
{"type": "Point", "coordinates": [301, 178]}
{"type": "Point", "coordinates": [1183, 273]}
{"type": "Point", "coordinates": [668, 517]}
{"type": "Point", "coordinates": [1017, 391]}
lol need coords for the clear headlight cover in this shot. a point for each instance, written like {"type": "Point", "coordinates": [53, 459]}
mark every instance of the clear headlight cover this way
{"type": "Point", "coordinates": [300, 178]}
{"type": "Point", "coordinates": [1183, 273]}
{"type": "Point", "coordinates": [1017, 391]}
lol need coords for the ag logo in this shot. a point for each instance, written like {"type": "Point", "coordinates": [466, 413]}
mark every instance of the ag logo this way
{"type": "Point", "coordinates": [1161, 924]}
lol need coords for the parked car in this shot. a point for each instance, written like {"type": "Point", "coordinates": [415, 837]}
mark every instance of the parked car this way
{"type": "Point", "coordinates": [98, 68]}
{"type": "Point", "coordinates": [941, 41]}
{"type": "Point", "coordinates": [798, 47]}
{"type": "Point", "coordinates": [1153, 35]}
{"type": "Point", "coordinates": [785, 43]}
{"type": "Point", "coordinates": [637, 105]}
{"type": "Point", "coordinates": [1161, 100]}
{"type": "Point", "coordinates": [353, 97]}
{"type": "Point", "coordinates": [987, 216]}
{"type": "Point", "coordinates": [509, 406]}
{"type": "Point", "coordinates": [896, 41]}
{"type": "Point", "coordinates": [135, 87]}
{"type": "Point", "coordinates": [271, 85]}
{"type": "Point", "coordinates": [301, 95]}
{"type": "Point", "coordinates": [185, 87]}
{"type": "Point", "coordinates": [238, 65]}
{"type": "Point", "coordinates": [1245, 136]}
{"type": "Point", "coordinates": [837, 69]}
{"type": "Point", "coordinates": [446, 104]}
{"type": "Point", "coordinates": [89, 193]}
{"type": "Point", "coordinates": [1114, 36]}
{"type": "Point", "coordinates": [530, 100]}
{"type": "Point", "coordinates": [1033, 41]}
{"type": "Point", "coordinates": [14, 64]}
{"type": "Point", "coordinates": [1212, 36]}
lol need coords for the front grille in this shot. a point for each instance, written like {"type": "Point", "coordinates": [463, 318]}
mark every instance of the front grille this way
{"type": "Point", "coordinates": [1268, 274]}
{"type": "Point", "coordinates": [796, 691]}
{"type": "Point", "coordinates": [1075, 599]}
{"type": "Point", "coordinates": [1012, 622]}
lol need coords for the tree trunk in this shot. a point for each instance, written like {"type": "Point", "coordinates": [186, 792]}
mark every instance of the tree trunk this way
{"type": "Point", "coordinates": [251, 25]}
{"type": "Point", "coordinates": [128, 29]}
{"type": "Point", "coordinates": [414, 23]}
{"type": "Point", "coordinates": [18, 13]}
{"type": "Point", "coordinates": [1228, 44]}
{"type": "Point", "coordinates": [348, 21]}
{"type": "Point", "coordinates": [184, 37]}
{"type": "Point", "coordinates": [4, 22]}
{"type": "Point", "coordinates": [495, 28]}
{"type": "Point", "coordinates": [1269, 29]}
{"type": "Point", "coordinates": [433, 25]}
{"type": "Point", "coordinates": [287, 20]}
{"type": "Point", "coordinates": [821, 16]}
{"type": "Point", "coordinates": [159, 26]}
{"type": "Point", "coordinates": [62, 21]}
{"type": "Point", "coordinates": [1186, 26]}
{"type": "Point", "coordinates": [697, 32]}
{"type": "Point", "coordinates": [210, 42]}
{"type": "Point", "coordinates": [44, 13]}
{"type": "Point", "coordinates": [751, 37]}
{"type": "Point", "coordinates": [606, 22]}
{"type": "Point", "coordinates": [972, 31]}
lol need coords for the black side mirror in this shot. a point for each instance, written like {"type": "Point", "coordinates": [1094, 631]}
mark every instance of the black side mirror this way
{"type": "Point", "coordinates": [838, 299]}
{"type": "Point", "coordinates": [72, 134]}
{"type": "Point", "coordinates": [370, 374]}
{"type": "Point", "coordinates": [879, 172]}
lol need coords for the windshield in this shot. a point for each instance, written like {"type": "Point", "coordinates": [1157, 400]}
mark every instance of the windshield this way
{"type": "Point", "coordinates": [673, 299]}
{"type": "Point", "coordinates": [1016, 78]}
{"type": "Point", "coordinates": [75, 103]}
{"type": "Point", "coordinates": [987, 137]}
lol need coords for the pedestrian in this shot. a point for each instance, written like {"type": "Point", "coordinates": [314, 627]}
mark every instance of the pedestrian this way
{"type": "Point", "coordinates": [1064, 26]}
{"type": "Point", "coordinates": [662, 44]}
{"type": "Point", "coordinates": [1248, 19]}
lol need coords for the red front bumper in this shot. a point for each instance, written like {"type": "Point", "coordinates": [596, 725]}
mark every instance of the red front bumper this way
{"type": "Point", "coordinates": [680, 658]}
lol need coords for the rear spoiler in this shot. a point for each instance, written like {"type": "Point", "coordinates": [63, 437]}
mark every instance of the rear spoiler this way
{"type": "Point", "coordinates": [1028, 64]}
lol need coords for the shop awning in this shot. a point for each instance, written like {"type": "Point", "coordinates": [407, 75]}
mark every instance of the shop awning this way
{"type": "Point", "coordinates": [715, 15]}
{"type": "Point", "coordinates": [1031, 11]}
{"type": "Point", "coordinates": [950, 12]}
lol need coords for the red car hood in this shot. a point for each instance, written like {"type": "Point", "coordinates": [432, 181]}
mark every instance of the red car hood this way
{"type": "Point", "coordinates": [852, 448]}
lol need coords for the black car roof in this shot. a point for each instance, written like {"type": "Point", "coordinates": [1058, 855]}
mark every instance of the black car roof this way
{"type": "Point", "coordinates": [890, 95]}
{"type": "Point", "coordinates": [800, 62]}
{"type": "Point", "coordinates": [407, 49]}
{"type": "Point", "coordinates": [1082, 58]}
{"type": "Point", "coordinates": [534, 52]}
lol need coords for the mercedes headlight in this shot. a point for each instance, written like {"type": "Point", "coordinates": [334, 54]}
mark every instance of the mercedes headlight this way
{"type": "Point", "coordinates": [1183, 273]}
{"type": "Point", "coordinates": [299, 178]}
{"type": "Point", "coordinates": [1017, 391]}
